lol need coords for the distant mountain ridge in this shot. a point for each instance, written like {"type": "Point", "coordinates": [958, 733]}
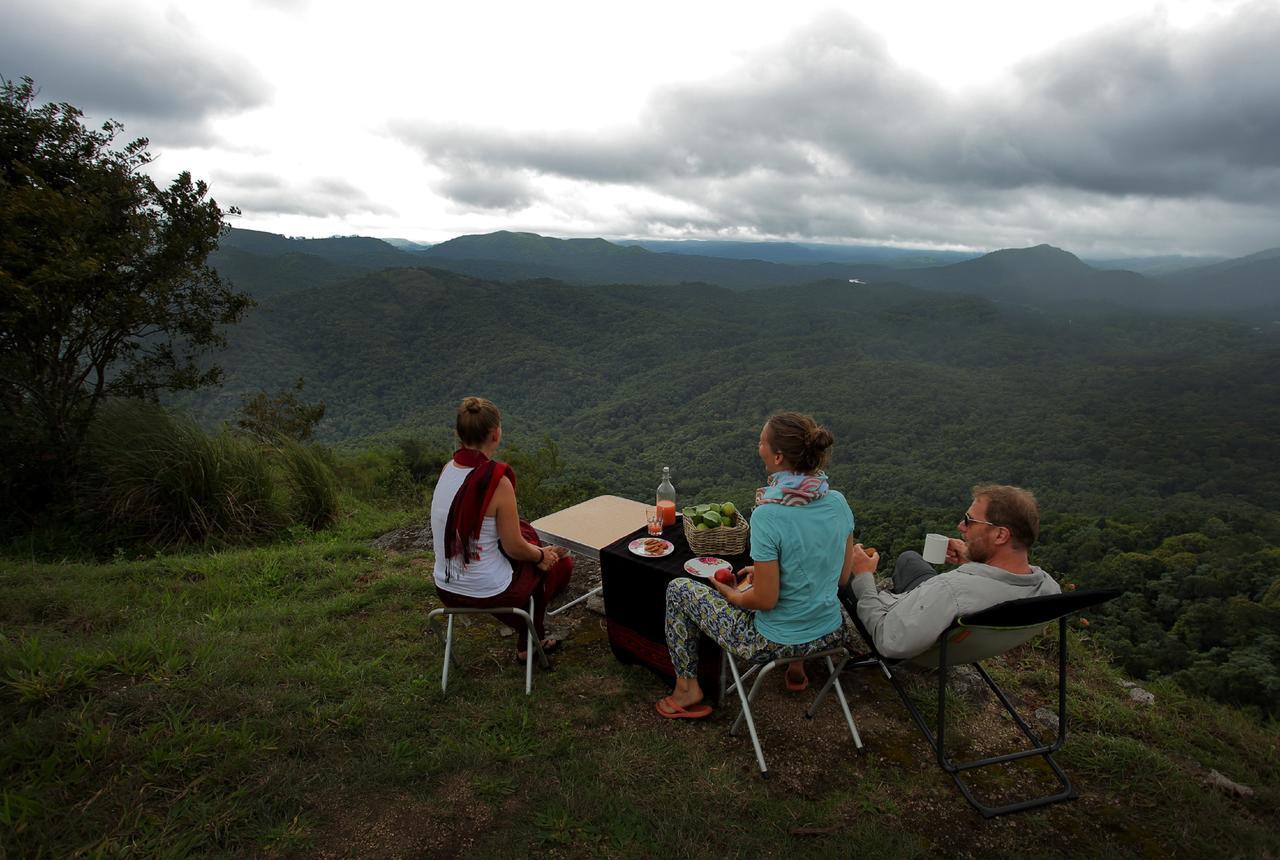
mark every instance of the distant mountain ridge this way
{"type": "Point", "coordinates": [805, 253]}
{"type": "Point", "coordinates": [1034, 275]}
{"type": "Point", "coordinates": [1153, 266]}
{"type": "Point", "coordinates": [268, 264]}
{"type": "Point", "coordinates": [522, 256]}
{"type": "Point", "coordinates": [1251, 282]}
{"type": "Point", "coordinates": [361, 252]}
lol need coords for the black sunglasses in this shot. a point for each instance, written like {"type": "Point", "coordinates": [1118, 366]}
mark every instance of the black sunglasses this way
{"type": "Point", "coordinates": [968, 521]}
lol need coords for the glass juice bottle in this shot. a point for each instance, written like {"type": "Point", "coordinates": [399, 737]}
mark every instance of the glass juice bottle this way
{"type": "Point", "coordinates": [667, 498]}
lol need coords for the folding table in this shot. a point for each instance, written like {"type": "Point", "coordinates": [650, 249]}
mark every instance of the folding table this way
{"type": "Point", "coordinates": [588, 527]}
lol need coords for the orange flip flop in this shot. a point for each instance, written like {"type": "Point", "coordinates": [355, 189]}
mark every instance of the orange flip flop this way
{"type": "Point", "coordinates": [796, 686]}
{"type": "Point", "coordinates": [675, 712]}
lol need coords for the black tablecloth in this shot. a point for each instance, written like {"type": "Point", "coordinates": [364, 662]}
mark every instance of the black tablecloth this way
{"type": "Point", "coordinates": [635, 599]}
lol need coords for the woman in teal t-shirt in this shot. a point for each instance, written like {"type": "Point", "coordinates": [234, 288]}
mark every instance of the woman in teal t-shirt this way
{"type": "Point", "coordinates": [801, 549]}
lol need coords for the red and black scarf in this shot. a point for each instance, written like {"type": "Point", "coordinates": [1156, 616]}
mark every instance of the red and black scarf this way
{"type": "Point", "coordinates": [466, 514]}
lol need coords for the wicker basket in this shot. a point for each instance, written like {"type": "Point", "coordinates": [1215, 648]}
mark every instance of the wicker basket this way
{"type": "Point", "coordinates": [726, 540]}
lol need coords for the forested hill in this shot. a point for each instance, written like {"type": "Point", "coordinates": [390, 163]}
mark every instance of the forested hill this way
{"type": "Point", "coordinates": [1096, 411]}
{"type": "Point", "coordinates": [516, 256]}
{"type": "Point", "coordinates": [803, 253]}
{"type": "Point", "coordinates": [1247, 282]}
{"type": "Point", "coordinates": [1038, 275]}
{"type": "Point", "coordinates": [265, 264]}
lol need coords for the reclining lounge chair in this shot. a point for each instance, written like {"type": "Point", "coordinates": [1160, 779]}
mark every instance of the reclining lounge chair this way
{"type": "Point", "coordinates": [979, 636]}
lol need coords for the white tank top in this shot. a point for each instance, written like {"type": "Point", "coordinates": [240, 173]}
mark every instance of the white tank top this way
{"type": "Point", "coordinates": [489, 574]}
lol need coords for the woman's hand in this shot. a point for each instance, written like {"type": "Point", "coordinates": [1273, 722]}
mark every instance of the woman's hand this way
{"type": "Point", "coordinates": [732, 591]}
{"type": "Point", "coordinates": [864, 560]}
{"type": "Point", "coordinates": [550, 555]}
{"type": "Point", "coordinates": [763, 593]}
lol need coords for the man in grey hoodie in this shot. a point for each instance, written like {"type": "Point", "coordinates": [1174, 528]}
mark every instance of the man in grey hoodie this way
{"type": "Point", "coordinates": [998, 530]}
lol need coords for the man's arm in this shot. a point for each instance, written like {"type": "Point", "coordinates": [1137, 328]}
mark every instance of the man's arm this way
{"type": "Point", "coordinates": [904, 625]}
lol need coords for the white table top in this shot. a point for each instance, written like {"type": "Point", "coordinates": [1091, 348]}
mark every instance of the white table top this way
{"type": "Point", "coordinates": [589, 526]}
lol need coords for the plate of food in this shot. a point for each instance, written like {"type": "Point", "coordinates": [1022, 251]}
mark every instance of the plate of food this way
{"type": "Point", "coordinates": [651, 547]}
{"type": "Point", "coordinates": [706, 566]}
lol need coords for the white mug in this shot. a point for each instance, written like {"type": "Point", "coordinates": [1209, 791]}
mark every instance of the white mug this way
{"type": "Point", "coordinates": [935, 548]}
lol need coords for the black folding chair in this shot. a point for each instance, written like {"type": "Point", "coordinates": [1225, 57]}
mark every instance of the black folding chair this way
{"type": "Point", "coordinates": [979, 636]}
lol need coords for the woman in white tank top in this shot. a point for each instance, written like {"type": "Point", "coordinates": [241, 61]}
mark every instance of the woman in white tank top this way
{"type": "Point", "coordinates": [484, 558]}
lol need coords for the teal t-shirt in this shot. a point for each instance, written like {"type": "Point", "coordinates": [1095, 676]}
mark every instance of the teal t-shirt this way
{"type": "Point", "coordinates": [808, 542]}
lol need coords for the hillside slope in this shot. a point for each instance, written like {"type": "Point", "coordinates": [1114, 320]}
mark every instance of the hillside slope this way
{"type": "Point", "coordinates": [1097, 409]}
{"type": "Point", "coordinates": [1251, 283]}
{"type": "Point", "coordinates": [520, 256]}
{"type": "Point", "coordinates": [285, 701]}
{"type": "Point", "coordinates": [1038, 275]}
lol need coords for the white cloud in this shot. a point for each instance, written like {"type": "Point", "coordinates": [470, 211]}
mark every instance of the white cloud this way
{"type": "Point", "coordinates": [1121, 126]}
{"type": "Point", "coordinates": [156, 72]}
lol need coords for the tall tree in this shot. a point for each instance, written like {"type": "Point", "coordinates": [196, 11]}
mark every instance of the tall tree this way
{"type": "Point", "coordinates": [104, 288]}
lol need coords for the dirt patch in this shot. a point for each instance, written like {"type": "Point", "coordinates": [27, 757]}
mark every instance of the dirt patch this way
{"type": "Point", "coordinates": [366, 579]}
{"type": "Point", "coordinates": [402, 826]}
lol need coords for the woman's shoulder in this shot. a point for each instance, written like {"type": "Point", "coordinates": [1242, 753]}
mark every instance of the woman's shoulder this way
{"type": "Point", "coordinates": [837, 498]}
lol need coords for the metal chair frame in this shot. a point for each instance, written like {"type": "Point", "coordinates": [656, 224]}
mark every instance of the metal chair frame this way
{"type": "Point", "coordinates": [759, 671]}
{"type": "Point", "coordinates": [1042, 611]}
{"type": "Point", "coordinates": [576, 600]}
{"type": "Point", "coordinates": [534, 643]}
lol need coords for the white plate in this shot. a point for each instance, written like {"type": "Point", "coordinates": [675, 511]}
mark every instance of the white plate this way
{"type": "Point", "coordinates": [637, 547]}
{"type": "Point", "coordinates": [706, 566]}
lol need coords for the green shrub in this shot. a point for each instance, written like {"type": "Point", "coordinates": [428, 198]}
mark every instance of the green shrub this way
{"type": "Point", "coordinates": [421, 459]}
{"type": "Point", "coordinates": [158, 478]}
{"type": "Point", "coordinates": [313, 496]}
{"type": "Point", "coordinates": [379, 478]}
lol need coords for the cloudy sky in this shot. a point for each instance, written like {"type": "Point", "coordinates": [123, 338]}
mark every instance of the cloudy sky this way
{"type": "Point", "coordinates": [1106, 127]}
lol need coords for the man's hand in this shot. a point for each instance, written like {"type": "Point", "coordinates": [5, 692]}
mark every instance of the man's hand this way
{"type": "Point", "coordinates": [957, 552]}
{"type": "Point", "coordinates": [864, 560]}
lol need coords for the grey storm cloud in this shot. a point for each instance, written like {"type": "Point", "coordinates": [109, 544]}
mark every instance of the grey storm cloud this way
{"type": "Point", "coordinates": [493, 190]}
{"type": "Point", "coordinates": [828, 120]}
{"type": "Point", "coordinates": [268, 194]}
{"type": "Point", "coordinates": [780, 113]}
{"type": "Point", "coordinates": [1142, 110]}
{"type": "Point", "coordinates": [111, 62]}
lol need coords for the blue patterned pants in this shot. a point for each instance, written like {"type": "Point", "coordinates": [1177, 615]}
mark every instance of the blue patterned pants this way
{"type": "Point", "coordinates": [692, 606]}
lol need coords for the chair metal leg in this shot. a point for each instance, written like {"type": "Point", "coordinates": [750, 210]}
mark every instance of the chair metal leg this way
{"type": "Point", "coordinates": [733, 687]}
{"type": "Point", "coordinates": [447, 641]}
{"type": "Point", "coordinates": [577, 600]}
{"type": "Point", "coordinates": [528, 652]}
{"type": "Point", "coordinates": [534, 643]}
{"type": "Point", "coordinates": [834, 680]}
{"type": "Point", "coordinates": [746, 713]}
{"type": "Point", "coordinates": [761, 671]}
{"type": "Point", "coordinates": [955, 769]}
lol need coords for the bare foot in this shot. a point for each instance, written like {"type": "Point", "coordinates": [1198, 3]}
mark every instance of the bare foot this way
{"type": "Point", "coordinates": [687, 692]}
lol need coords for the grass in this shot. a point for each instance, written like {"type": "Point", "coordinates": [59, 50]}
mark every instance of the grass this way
{"type": "Point", "coordinates": [285, 701]}
{"type": "Point", "coordinates": [158, 475]}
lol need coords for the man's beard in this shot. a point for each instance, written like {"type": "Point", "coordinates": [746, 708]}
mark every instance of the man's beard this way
{"type": "Point", "coordinates": [979, 550]}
